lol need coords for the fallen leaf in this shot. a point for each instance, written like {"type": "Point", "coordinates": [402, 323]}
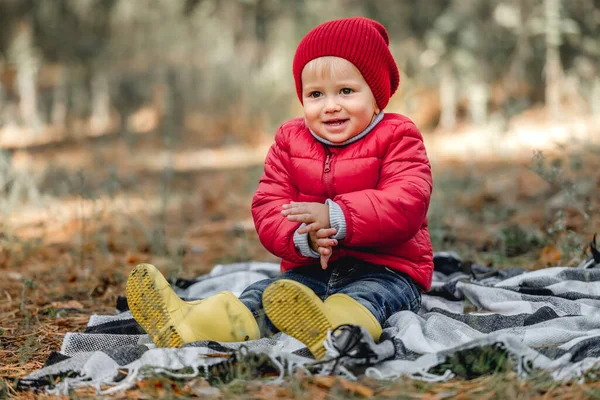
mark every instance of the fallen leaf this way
{"type": "Point", "coordinates": [206, 391]}
{"type": "Point", "coordinates": [431, 396]}
{"type": "Point", "coordinates": [356, 388]}
{"type": "Point", "coordinates": [67, 304]}
{"type": "Point", "coordinates": [271, 392]}
{"type": "Point", "coordinates": [135, 258]}
{"type": "Point", "coordinates": [550, 255]}
{"type": "Point", "coordinates": [4, 257]}
{"type": "Point", "coordinates": [15, 276]}
{"type": "Point", "coordinates": [324, 381]}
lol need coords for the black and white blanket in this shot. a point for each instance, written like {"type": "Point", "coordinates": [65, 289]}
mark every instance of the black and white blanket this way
{"type": "Point", "coordinates": [474, 320]}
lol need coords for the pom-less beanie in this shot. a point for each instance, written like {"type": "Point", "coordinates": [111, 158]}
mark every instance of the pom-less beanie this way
{"type": "Point", "coordinates": [361, 41]}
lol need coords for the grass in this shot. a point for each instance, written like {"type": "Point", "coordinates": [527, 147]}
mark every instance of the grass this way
{"type": "Point", "coordinates": [57, 270]}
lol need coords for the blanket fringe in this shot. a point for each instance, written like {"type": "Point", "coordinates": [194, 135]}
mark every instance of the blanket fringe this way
{"type": "Point", "coordinates": [432, 378]}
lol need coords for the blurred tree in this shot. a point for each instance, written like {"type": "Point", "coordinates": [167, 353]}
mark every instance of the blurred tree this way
{"type": "Point", "coordinates": [580, 48]}
{"type": "Point", "coordinates": [471, 51]}
{"type": "Point", "coordinates": [92, 61]}
{"type": "Point", "coordinates": [17, 48]}
{"type": "Point", "coordinates": [553, 65]}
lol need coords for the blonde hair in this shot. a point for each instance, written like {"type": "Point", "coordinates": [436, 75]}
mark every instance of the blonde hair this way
{"type": "Point", "coordinates": [327, 67]}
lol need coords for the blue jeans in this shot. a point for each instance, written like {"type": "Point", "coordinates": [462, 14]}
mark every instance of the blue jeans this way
{"type": "Point", "coordinates": [381, 290]}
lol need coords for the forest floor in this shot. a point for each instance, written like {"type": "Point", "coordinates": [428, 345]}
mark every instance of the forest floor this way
{"type": "Point", "coordinates": [103, 205]}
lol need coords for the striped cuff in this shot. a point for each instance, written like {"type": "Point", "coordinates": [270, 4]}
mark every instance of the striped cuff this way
{"type": "Point", "coordinates": [302, 244]}
{"type": "Point", "coordinates": [337, 219]}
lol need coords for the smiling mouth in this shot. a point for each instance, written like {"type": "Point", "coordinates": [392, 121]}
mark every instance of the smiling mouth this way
{"type": "Point", "coordinates": [335, 122]}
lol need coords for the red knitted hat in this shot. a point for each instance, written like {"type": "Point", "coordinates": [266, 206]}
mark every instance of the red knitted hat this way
{"type": "Point", "coordinates": [361, 41]}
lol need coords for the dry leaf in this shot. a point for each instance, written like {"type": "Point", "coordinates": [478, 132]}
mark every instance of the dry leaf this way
{"type": "Point", "coordinates": [550, 255]}
{"type": "Point", "coordinates": [206, 392]}
{"type": "Point", "coordinates": [67, 304]}
{"type": "Point", "coordinates": [135, 258]}
{"type": "Point", "coordinates": [271, 392]}
{"type": "Point", "coordinates": [430, 396]}
{"type": "Point", "coordinates": [324, 381]}
{"type": "Point", "coordinates": [356, 388]}
{"type": "Point", "coordinates": [4, 257]}
{"type": "Point", "coordinates": [15, 276]}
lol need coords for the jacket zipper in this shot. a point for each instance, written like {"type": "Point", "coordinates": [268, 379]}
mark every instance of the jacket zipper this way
{"type": "Point", "coordinates": [326, 171]}
{"type": "Point", "coordinates": [335, 251]}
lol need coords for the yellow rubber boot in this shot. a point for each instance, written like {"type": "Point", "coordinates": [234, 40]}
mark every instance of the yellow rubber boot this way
{"type": "Point", "coordinates": [297, 311]}
{"type": "Point", "coordinates": [172, 322]}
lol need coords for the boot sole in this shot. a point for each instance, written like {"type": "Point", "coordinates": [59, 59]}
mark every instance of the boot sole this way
{"type": "Point", "coordinates": [297, 311]}
{"type": "Point", "coordinates": [148, 307]}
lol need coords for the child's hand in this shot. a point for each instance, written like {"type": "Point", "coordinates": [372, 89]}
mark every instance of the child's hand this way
{"type": "Point", "coordinates": [324, 244]}
{"type": "Point", "coordinates": [314, 215]}
{"type": "Point", "coordinates": [321, 238]}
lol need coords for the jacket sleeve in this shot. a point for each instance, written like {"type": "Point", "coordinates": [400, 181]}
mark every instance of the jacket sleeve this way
{"type": "Point", "coordinates": [275, 188]}
{"type": "Point", "coordinates": [395, 210]}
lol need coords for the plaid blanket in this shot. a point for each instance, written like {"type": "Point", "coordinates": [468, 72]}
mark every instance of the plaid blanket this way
{"type": "Point", "coordinates": [474, 320]}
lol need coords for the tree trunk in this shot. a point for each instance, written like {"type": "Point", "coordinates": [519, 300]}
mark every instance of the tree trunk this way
{"type": "Point", "coordinates": [59, 100]}
{"type": "Point", "coordinates": [595, 97]}
{"type": "Point", "coordinates": [448, 101]}
{"type": "Point", "coordinates": [1, 103]}
{"type": "Point", "coordinates": [553, 65]}
{"type": "Point", "coordinates": [100, 119]}
{"type": "Point", "coordinates": [478, 100]}
{"type": "Point", "coordinates": [517, 73]}
{"type": "Point", "coordinates": [27, 64]}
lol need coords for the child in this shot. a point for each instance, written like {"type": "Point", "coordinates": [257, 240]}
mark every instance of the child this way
{"type": "Point", "coordinates": [343, 202]}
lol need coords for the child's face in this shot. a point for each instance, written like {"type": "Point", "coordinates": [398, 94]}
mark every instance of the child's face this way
{"type": "Point", "coordinates": [338, 103]}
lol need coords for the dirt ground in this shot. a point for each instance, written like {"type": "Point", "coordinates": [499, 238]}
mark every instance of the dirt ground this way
{"type": "Point", "coordinates": [103, 206]}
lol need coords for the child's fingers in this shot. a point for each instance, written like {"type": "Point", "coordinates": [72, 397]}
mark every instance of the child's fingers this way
{"type": "Point", "coordinates": [326, 232]}
{"type": "Point", "coordinates": [308, 228]}
{"type": "Point", "coordinates": [327, 242]}
{"type": "Point", "coordinates": [307, 218]}
{"type": "Point", "coordinates": [292, 210]}
{"type": "Point", "coordinates": [290, 204]}
{"type": "Point", "coordinates": [295, 208]}
{"type": "Point", "coordinates": [324, 251]}
{"type": "Point", "coordinates": [325, 255]}
{"type": "Point", "coordinates": [324, 260]}
{"type": "Point", "coordinates": [296, 211]}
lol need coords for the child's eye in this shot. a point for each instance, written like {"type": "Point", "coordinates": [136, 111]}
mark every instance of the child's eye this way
{"type": "Point", "coordinates": [346, 91]}
{"type": "Point", "coordinates": [315, 94]}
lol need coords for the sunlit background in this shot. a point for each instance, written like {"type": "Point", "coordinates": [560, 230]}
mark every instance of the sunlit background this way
{"type": "Point", "coordinates": [136, 129]}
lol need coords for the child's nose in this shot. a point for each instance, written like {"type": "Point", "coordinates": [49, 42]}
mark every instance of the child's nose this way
{"type": "Point", "coordinates": [331, 104]}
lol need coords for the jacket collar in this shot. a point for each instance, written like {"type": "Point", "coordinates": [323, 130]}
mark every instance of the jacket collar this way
{"type": "Point", "coordinates": [353, 139]}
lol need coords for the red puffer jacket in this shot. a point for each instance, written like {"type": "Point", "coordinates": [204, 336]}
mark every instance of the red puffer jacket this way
{"type": "Point", "coordinates": [382, 182]}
